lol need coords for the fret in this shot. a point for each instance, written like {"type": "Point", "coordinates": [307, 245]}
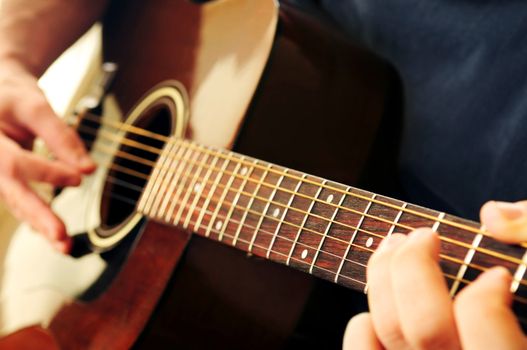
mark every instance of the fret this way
{"type": "Point", "coordinates": [284, 213]}
{"type": "Point", "coordinates": [248, 240]}
{"type": "Point", "coordinates": [380, 222]}
{"type": "Point", "coordinates": [396, 220]}
{"type": "Point", "coordinates": [361, 221]}
{"type": "Point", "coordinates": [451, 256]}
{"type": "Point", "coordinates": [222, 199]}
{"type": "Point", "coordinates": [147, 193]}
{"type": "Point", "coordinates": [336, 229]}
{"type": "Point", "coordinates": [251, 201]}
{"type": "Point", "coordinates": [438, 221]}
{"type": "Point", "coordinates": [212, 190]}
{"type": "Point", "coordinates": [266, 208]}
{"type": "Point", "coordinates": [164, 175]}
{"type": "Point", "coordinates": [199, 193]}
{"type": "Point", "coordinates": [246, 174]}
{"type": "Point", "coordinates": [423, 218]}
{"type": "Point", "coordinates": [191, 188]}
{"type": "Point", "coordinates": [483, 253]}
{"type": "Point", "coordinates": [519, 274]}
{"type": "Point", "coordinates": [466, 262]}
{"type": "Point", "coordinates": [271, 221]}
{"type": "Point", "coordinates": [458, 250]}
{"type": "Point", "coordinates": [304, 255]}
{"type": "Point", "coordinates": [160, 167]}
{"type": "Point", "coordinates": [487, 254]}
{"type": "Point", "coordinates": [355, 232]}
{"type": "Point", "coordinates": [326, 232]}
{"type": "Point", "coordinates": [177, 181]}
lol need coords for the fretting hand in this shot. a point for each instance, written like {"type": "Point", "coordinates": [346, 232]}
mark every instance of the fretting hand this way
{"type": "Point", "coordinates": [410, 305]}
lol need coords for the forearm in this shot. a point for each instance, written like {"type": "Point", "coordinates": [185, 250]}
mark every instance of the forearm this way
{"type": "Point", "coordinates": [34, 33]}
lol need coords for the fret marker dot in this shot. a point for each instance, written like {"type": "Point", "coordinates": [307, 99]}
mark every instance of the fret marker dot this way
{"type": "Point", "coordinates": [197, 187]}
{"type": "Point", "coordinates": [330, 198]}
{"type": "Point", "coordinates": [276, 212]}
{"type": "Point", "coordinates": [369, 242]}
{"type": "Point", "coordinates": [219, 224]}
{"type": "Point", "coordinates": [244, 171]}
{"type": "Point", "coordinates": [304, 254]}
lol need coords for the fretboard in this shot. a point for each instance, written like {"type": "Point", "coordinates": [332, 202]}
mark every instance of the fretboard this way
{"type": "Point", "coordinates": [314, 225]}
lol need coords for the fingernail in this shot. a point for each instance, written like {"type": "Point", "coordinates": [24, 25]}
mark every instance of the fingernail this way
{"type": "Point", "coordinates": [510, 211]}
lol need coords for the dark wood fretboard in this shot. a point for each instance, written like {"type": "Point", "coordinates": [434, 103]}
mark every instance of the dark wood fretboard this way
{"type": "Point", "coordinates": [314, 225]}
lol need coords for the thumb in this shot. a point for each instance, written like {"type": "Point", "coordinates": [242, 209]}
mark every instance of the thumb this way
{"type": "Point", "coordinates": [506, 221]}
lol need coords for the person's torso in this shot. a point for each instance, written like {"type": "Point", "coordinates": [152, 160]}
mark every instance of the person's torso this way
{"type": "Point", "coordinates": [463, 67]}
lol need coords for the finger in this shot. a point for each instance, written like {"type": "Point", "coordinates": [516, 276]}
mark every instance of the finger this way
{"type": "Point", "coordinates": [380, 297]}
{"type": "Point", "coordinates": [360, 334]}
{"type": "Point", "coordinates": [28, 206]}
{"type": "Point", "coordinates": [19, 164]}
{"type": "Point", "coordinates": [484, 317]}
{"type": "Point", "coordinates": [421, 295]}
{"type": "Point", "coordinates": [63, 141]}
{"type": "Point", "coordinates": [506, 221]}
{"type": "Point", "coordinates": [35, 168]}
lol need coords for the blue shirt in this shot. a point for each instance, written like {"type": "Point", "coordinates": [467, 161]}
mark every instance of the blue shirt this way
{"type": "Point", "coordinates": [463, 67]}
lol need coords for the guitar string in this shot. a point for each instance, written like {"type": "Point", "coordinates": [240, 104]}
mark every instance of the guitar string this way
{"type": "Point", "coordinates": [329, 221]}
{"type": "Point", "coordinates": [133, 129]}
{"type": "Point", "coordinates": [445, 257]}
{"type": "Point", "coordinates": [446, 239]}
{"type": "Point", "coordinates": [129, 201]}
{"type": "Point", "coordinates": [129, 171]}
{"type": "Point", "coordinates": [317, 233]}
{"type": "Point", "coordinates": [519, 299]}
{"type": "Point", "coordinates": [397, 224]}
{"type": "Point", "coordinates": [147, 133]}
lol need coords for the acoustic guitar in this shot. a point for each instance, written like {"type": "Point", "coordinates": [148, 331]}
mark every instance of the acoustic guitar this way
{"type": "Point", "coordinates": [188, 244]}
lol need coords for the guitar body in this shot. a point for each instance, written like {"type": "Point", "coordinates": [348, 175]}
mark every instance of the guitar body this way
{"type": "Point", "coordinates": [270, 82]}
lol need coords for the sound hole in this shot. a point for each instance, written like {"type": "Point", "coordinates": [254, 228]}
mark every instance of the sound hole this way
{"type": "Point", "coordinates": [132, 165]}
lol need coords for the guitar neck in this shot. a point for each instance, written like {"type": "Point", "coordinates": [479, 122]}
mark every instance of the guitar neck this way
{"type": "Point", "coordinates": [315, 225]}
